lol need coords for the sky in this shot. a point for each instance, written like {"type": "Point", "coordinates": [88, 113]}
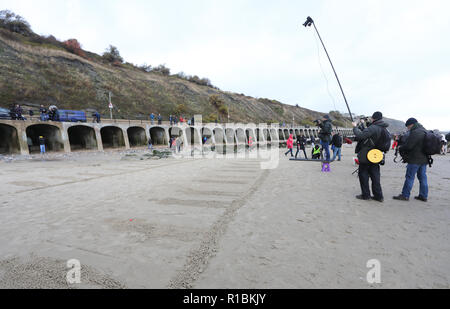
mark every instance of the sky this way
{"type": "Point", "coordinates": [391, 56]}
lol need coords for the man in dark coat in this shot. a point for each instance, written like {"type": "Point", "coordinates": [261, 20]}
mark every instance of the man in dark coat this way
{"type": "Point", "coordinates": [367, 140]}
{"type": "Point", "coordinates": [337, 142]}
{"type": "Point", "coordinates": [325, 135]}
{"type": "Point", "coordinates": [412, 153]}
{"type": "Point", "coordinates": [301, 145]}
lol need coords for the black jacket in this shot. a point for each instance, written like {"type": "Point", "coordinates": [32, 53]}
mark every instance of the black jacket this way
{"type": "Point", "coordinates": [301, 142]}
{"type": "Point", "coordinates": [368, 138]}
{"type": "Point", "coordinates": [412, 150]}
{"type": "Point", "coordinates": [337, 141]}
{"type": "Point", "coordinates": [325, 132]}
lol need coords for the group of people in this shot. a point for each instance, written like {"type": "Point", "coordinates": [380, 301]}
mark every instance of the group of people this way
{"type": "Point", "coordinates": [175, 143]}
{"type": "Point", "coordinates": [370, 135]}
{"type": "Point", "coordinates": [327, 138]}
{"type": "Point", "coordinates": [153, 117]}
{"type": "Point", "coordinates": [16, 112]}
{"type": "Point", "coordinates": [413, 150]}
{"type": "Point", "coordinates": [174, 120]}
{"type": "Point", "coordinates": [52, 114]}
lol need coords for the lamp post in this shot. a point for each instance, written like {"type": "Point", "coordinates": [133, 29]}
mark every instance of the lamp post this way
{"type": "Point", "coordinates": [110, 106]}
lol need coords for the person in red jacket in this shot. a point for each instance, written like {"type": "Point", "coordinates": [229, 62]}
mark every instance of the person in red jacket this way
{"type": "Point", "coordinates": [395, 144]}
{"type": "Point", "coordinates": [290, 145]}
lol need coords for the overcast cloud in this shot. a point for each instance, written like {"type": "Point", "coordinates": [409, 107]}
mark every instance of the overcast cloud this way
{"type": "Point", "coordinates": [391, 56]}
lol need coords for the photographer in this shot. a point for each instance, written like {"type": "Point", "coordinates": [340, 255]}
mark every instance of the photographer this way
{"type": "Point", "coordinates": [413, 154]}
{"type": "Point", "coordinates": [367, 139]}
{"type": "Point", "coordinates": [325, 135]}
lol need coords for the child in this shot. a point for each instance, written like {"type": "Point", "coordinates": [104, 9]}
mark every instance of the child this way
{"type": "Point", "coordinates": [290, 145]}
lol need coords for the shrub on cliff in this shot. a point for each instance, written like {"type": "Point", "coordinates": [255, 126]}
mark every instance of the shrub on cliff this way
{"type": "Point", "coordinates": [161, 69]}
{"type": "Point", "coordinates": [14, 23]}
{"type": "Point", "coordinates": [112, 55]}
{"type": "Point", "coordinates": [74, 47]}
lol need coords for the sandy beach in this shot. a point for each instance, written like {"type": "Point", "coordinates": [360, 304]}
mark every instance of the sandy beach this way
{"type": "Point", "coordinates": [135, 222]}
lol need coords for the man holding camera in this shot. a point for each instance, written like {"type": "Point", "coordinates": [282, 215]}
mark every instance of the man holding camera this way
{"type": "Point", "coordinates": [325, 135]}
{"type": "Point", "coordinates": [367, 138]}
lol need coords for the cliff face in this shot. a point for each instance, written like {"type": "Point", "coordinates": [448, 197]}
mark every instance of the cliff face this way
{"type": "Point", "coordinates": [36, 73]}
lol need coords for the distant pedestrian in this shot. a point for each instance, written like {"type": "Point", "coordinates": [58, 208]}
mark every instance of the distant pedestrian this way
{"type": "Point", "coordinates": [96, 117]}
{"type": "Point", "coordinates": [42, 144]}
{"type": "Point", "coordinates": [173, 144]}
{"type": "Point", "coordinates": [160, 119]}
{"type": "Point", "coordinates": [444, 143]}
{"type": "Point", "coordinates": [290, 145]}
{"type": "Point", "coordinates": [301, 145]}
{"type": "Point", "coordinates": [336, 143]}
{"type": "Point", "coordinates": [313, 141]}
{"type": "Point", "coordinates": [43, 112]}
{"type": "Point", "coordinates": [171, 120]}
{"type": "Point", "coordinates": [152, 118]}
{"type": "Point", "coordinates": [150, 144]}
{"type": "Point", "coordinates": [179, 143]}
{"type": "Point", "coordinates": [395, 143]}
{"type": "Point", "coordinates": [250, 142]}
{"type": "Point", "coordinates": [29, 143]}
{"type": "Point", "coordinates": [19, 112]}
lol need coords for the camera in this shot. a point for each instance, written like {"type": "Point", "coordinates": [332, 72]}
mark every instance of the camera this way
{"type": "Point", "coordinates": [317, 122]}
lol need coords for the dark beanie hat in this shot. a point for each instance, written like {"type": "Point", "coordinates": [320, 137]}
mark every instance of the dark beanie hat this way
{"type": "Point", "coordinates": [326, 117]}
{"type": "Point", "coordinates": [411, 121]}
{"type": "Point", "coordinates": [377, 116]}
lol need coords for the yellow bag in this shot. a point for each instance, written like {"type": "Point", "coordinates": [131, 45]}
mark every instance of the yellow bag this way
{"type": "Point", "coordinates": [375, 156]}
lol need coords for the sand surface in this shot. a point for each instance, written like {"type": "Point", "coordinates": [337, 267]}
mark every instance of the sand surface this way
{"type": "Point", "coordinates": [211, 223]}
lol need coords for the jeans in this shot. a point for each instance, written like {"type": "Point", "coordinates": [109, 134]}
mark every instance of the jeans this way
{"type": "Point", "coordinates": [42, 148]}
{"type": "Point", "coordinates": [298, 151]}
{"type": "Point", "coordinates": [326, 147]}
{"type": "Point", "coordinates": [371, 171]}
{"type": "Point", "coordinates": [411, 171]}
{"type": "Point", "coordinates": [290, 151]}
{"type": "Point", "coordinates": [337, 153]}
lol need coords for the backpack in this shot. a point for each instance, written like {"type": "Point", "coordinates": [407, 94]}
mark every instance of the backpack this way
{"type": "Point", "coordinates": [432, 143]}
{"type": "Point", "coordinates": [384, 142]}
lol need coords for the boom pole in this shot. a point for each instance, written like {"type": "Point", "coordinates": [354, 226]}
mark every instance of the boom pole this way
{"type": "Point", "coordinates": [310, 22]}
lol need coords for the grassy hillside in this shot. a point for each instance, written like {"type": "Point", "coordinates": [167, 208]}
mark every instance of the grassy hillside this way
{"type": "Point", "coordinates": [34, 70]}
